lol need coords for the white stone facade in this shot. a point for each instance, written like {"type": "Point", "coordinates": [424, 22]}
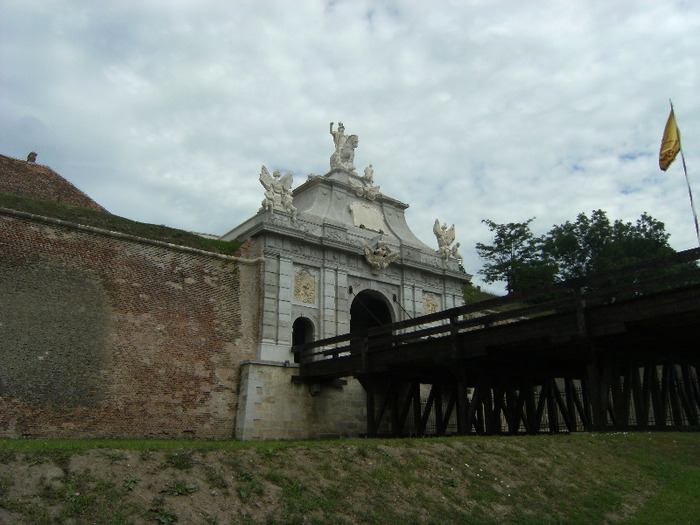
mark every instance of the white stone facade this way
{"type": "Point", "coordinates": [317, 262]}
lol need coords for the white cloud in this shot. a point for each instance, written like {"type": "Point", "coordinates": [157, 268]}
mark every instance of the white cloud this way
{"type": "Point", "coordinates": [505, 110]}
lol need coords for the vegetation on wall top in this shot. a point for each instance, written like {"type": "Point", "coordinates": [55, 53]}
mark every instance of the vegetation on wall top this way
{"type": "Point", "coordinates": [107, 221]}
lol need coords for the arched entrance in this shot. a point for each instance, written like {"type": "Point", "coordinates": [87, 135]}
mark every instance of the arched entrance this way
{"type": "Point", "coordinates": [368, 310]}
{"type": "Point", "coordinates": [302, 332]}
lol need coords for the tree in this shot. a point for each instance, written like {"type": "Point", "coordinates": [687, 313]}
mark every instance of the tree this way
{"type": "Point", "coordinates": [515, 256]}
{"type": "Point", "coordinates": [594, 245]}
{"type": "Point", "coordinates": [587, 246]}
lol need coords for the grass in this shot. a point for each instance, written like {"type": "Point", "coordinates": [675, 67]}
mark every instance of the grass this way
{"type": "Point", "coordinates": [474, 294]}
{"type": "Point", "coordinates": [582, 478]}
{"type": "Point", "coordinates": [107, 221]}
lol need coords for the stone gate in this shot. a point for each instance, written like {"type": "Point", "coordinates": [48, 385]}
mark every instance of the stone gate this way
{"type": "Point", "coordinates": [338, 257]}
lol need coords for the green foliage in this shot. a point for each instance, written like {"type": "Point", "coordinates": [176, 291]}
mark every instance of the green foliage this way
{"type": "Point", "coordinates": [514, 257]}
{"type": "Point", "coordinates": [248, 484]}
{"type": "Point", "coordinates": [215, 478]}
{"type": "Point", "coordinates": [594, 245]}
{"type": "Point", "coordinates": [180, 488]}
{"type": "Point", "coordinates": [474, 294]}
{"type": "Point", "coordinates": [180, 459]}
{"type": "Point", "coordinates": [5, 483]}
{"type": "Point", "coordinates": [130, 483]}
{"type": "Point", "coordinates": [107, 221]}
{"type": "Point", "coordinates": [161, 515]}
{"type": "Point", "coordinates": [590, 245]}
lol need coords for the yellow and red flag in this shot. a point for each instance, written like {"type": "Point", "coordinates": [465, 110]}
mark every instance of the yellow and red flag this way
{"type": "Point", "coordinates": [670, 143]}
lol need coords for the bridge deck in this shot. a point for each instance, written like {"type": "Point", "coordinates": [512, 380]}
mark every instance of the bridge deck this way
{"type": "Point", "coordinates": [632, 317]}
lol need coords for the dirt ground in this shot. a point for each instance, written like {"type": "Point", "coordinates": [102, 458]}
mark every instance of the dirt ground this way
{"type": "Point", "coordinates": [464, 480]}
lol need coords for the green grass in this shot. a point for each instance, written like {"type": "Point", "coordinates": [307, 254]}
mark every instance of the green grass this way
{"type": "Point", "coordinates": [107, 221]}
{"type": "Point", "coordinates": [582, 478]}
{"type": "Point", "coordinates": [474, 294]}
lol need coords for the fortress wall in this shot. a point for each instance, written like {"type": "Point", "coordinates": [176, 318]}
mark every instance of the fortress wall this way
{"type": "Point", "coordinates": [102, 336]}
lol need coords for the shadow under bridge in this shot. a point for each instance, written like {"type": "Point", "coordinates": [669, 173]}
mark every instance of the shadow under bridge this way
{"type": "Point", "coordinates": [615, 351]}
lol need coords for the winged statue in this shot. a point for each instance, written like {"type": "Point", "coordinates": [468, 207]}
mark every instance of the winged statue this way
{"type": "Point", "coordinates": [278, 194]}
{"type": "Point", "coordinates": [445, 237]}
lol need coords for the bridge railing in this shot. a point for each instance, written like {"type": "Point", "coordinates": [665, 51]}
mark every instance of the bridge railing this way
{"type": "Point", "coordinates": [618, 285]}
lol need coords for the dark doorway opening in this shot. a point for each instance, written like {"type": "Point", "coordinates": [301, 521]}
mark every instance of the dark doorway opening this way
{"type": "Point", "coordinates": [302, 332]}
{"type": "Point", "coordinates": [368, 310]}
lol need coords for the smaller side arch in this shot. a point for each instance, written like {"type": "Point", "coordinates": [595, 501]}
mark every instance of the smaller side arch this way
{"type": "Point", "coordinates": [302, 332]}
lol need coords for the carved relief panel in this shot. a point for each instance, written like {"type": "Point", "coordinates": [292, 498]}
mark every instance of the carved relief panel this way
{"type": "Point", "coordinates": [304, 287]}
{"type": "Point", "coordinates": [430, 305]}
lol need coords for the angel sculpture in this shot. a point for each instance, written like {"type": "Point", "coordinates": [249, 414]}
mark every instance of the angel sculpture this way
{"type": "Point", "coordinates": [456, 255]}
{"type": "Point", "coordinates": [365, 186]}
{"type": "Point", "coordinates": [380, 257]}
{"type": "Point", "coordinates": [278, 194]}
{"type": "Point", "coordinates": [445, 237]}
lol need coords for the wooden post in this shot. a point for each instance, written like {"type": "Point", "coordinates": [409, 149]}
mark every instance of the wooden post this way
{"type": "Point", "coordinates": [462, 407]}
{"type": "Point", "coordinates": [371, 421]}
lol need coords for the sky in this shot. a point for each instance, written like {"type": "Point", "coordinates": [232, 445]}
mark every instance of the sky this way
{"type": "Point", "coordinates": [165, 111]}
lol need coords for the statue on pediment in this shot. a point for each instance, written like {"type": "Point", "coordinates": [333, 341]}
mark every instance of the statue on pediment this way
{"type": "Point", "coordinates": [345, 145]}
{"type": "Point", "coordinates": [365, 187]}
{"type": "Point", "coordinates": [379, 257]}
{"type": "Point", "coordinates": [445, 237]}
{"type": "Point", "coordinates": [278, 191]}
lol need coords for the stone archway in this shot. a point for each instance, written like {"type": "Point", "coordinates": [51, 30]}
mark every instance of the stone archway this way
{"type": "Point", "coordinates": [369, 309]}
{"type": "Point", "coordinates": [302, 332]}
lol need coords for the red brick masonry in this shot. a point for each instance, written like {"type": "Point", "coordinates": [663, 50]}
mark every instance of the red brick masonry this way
{"type": "Point", "coordinates": [102, 335]}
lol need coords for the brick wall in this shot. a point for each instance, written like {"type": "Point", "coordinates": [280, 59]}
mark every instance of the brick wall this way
{"type": "Point", "coordinates": [105, 336]}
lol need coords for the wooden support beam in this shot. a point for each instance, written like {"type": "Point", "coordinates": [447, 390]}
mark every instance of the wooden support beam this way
{"type": "Point", "coordinates": [438, 409]}
{"type": "Point", "coordinates": [593, 386]}
{"type": "Point", "coordinates": [462, 408]}
{"type": "Point", "coordinates": [671, 380]}
{"type": "Point", "coordinates": [690, 388]}
{"type": "Point", "coordinates": [584, 415]}
{"type": "Point", "coordinates": [689, 408]}
{"type": "Point", "coordinates": [512, 412]}
{"type": "Point", "coordinates": [616, 405]}
{"type": "Point", "coordinates": [570, 395]}
{"type": "Point", "coordinates": [448, 411]}
{"type": "Point", "coordinates": [416, 409]}
{"type": "Point", "coordinates": [567, 415]}
{"type": "Point", "coordinates": [426, 412]}
{"type": "Point", "coordinates": [552, 412]}
{"type": "Point", "coordinates": [532, 426]}
{"type": "Point", "coordinates": [408, 401]}
{"type": "Point", "coordinates": [540, 410]}
{"type": "Point", "coordinates": [472, 411]}
{"type": "Point", "coordinates": [371, 421]}
{"type": "Point", "coordinates": [658, 400]}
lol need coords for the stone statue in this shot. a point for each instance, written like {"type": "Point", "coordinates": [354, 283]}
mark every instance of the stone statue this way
{"type": "Point", "coordinates": [456, 255]}
{"type": "Point", "coordinates": [365, 187]}
{"type": "Point", "coordinates": [344, 155]}
{"type": "Point", "coordinates": [445, 238]}
{"type": "Point", "coordinates": [380, 257]}
{"type": "Point", "coordinates": [278, 194]}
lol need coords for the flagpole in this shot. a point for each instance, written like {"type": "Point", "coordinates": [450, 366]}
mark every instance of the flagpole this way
{"type": "Point", "coordinates": [687, 180]}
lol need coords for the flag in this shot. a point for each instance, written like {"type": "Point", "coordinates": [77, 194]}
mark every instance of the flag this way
{"type": "Point", "coordinates": [670, 143]}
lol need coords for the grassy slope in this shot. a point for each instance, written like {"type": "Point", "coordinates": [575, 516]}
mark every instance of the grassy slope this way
{"type": "Point", "coordinates": [107, 221]}
{"type": "Point", "coordinates": [582, 478]}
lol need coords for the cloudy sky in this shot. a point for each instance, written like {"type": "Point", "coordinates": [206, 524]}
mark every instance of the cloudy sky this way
{"type": "Point", "coordinates": [164, 111]}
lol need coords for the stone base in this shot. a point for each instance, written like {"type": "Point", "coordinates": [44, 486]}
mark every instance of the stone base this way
{"type": "Point", "coordinates": [272, 406]}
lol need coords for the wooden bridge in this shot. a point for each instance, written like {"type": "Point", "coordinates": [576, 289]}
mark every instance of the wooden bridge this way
{"type": "Point", "coordinates": [619, 351]}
